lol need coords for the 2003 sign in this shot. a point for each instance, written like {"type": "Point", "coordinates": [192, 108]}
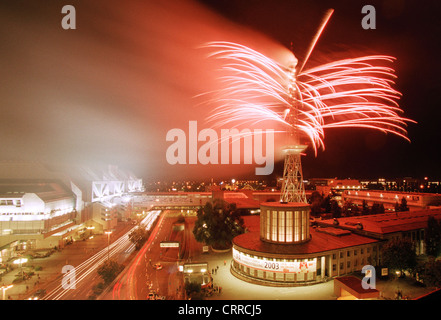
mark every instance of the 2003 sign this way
{"type": "Point", "coordinates": [272, 265]}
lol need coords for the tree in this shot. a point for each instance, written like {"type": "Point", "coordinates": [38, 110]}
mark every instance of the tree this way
{"type": "Point", "coordinates": [430, 273]}
{"type": "Point", "coordinates": [381, 208]}
{"type": "Point", "coordinates": [109, 270]}
{"type": "Point", "coordinates": [348, 208]}
{"type": "Point", "coordinates": [316, 203]}
{"type": "Point", "coordinates": [139, 236]}
{"type": "Point", "coordinates": [193, 290]}
{"type": "Point", "coordinates": [399, 254]}
{"type": "Point", "coordinates": [326, 204]}
{"type": "Point", "coordinates": [335, 209]}
{"type": "Point", "coordinates": [433, 236]}
{"type": "Point", "coordinates": [217, 224]}
{"type": "Point", "coordinates": [377, 208]}
{"type": "Point", "coordinates": [365, 208]}
{"type": "Point", "coordinates": [403, 204]}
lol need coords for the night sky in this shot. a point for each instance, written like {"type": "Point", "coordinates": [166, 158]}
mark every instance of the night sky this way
{"type": "Point", "coordinates": [109, 91]}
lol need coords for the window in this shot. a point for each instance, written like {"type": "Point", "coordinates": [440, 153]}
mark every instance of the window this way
{"type": "Point", "coordinates": [341, 254]}
{"type": "Point", "coordinates": [355, 252]}
{"type": "Point", "coordinates": [334, 267]}
{"type": "Point", "coordinates": [296, 226]}
{"type": "Point", "coordinates": [348, 253]}
{"type": "Point", "coordinates": [282, 226]}
{"type": "Point", "coordinates": [304, 222]}
{"type": "Point", "coordinates": [274, 226]}
{"type": "Point", "coordinates": [334, 256]}
{"type": "Point", "coordinates": [289, 226]}
{"type": "Point", "coordinates": [341, 266]}
{"type": "Point", "coordinates": [268, 224]}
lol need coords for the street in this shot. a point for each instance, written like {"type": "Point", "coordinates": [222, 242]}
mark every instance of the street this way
{"type": "Point", "coordinates": [142, 277]}
{"type": "Point", "coordinates": [85, 257]}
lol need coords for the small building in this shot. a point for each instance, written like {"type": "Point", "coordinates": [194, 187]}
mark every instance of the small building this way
{"type": "Point", "coordinates": [350, 288]}
{"type": "Point", "coordinates": [198, 273]}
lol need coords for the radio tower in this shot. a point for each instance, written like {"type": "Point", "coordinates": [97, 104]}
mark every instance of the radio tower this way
{"type": "Point", "coordinates": [293, 189]}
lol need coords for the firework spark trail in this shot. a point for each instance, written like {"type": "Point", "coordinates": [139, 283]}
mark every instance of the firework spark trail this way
{"type": "Point", "coordinates": [345, 93]}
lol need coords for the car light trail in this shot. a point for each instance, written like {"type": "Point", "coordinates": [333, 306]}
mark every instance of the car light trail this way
{"type": "Point", "coordinates": [89, 266]}
{"type": "Point", "coordinates": [128, 280]}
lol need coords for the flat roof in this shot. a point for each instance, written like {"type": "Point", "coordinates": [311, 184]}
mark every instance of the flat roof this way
{"type": "Point", "coordinates": [46, 190]}
{"type": "Point", "coordinates": [353, 286]}
{"type": "Point", "coordinates": [242, 203]}
{"type": "Point", "coordinates": [320, 241]}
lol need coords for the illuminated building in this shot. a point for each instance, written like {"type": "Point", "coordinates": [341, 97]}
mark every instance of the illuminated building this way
{"type": "Point", "coordinates": [388, 226]}
{"type": "Point", "coordinates": [281, 249]}
{"type": "Point", "coordinates": [38, 207]}
{"type": "Point", "coordinates": [42, 207]}
{"type": "Point", "coordinates": [197, 273]}
{"type": "Point", "coordinates": [415, 200]}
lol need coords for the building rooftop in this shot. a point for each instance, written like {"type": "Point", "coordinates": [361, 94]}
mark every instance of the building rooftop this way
{"type": "Point", "coordinates": [353, 285]}
{"type": "Point", "coordinates": [320, 241]}
{"type": "Point", "coordinates": [45, 190]}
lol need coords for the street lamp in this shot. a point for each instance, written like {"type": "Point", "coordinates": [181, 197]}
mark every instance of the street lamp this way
{"type": "Point", "coordinates": [108, 243]}
{"type": "Point", "coordinates": [4, 288]}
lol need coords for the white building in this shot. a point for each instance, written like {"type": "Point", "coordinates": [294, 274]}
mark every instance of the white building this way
{"type": "Point", "coordinates": [43, 207]}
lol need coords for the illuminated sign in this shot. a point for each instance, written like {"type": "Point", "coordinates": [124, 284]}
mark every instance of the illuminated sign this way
{"type": "Point", "coordinates": [169, 244]}
{"type": "Point", "coordinates": [275, 266]}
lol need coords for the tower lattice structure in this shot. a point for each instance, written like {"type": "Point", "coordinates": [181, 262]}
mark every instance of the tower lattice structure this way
{"type": "Point", "coordinates": [293, 188]}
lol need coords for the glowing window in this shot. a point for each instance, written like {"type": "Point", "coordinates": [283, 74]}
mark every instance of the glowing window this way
{"type": "Point", "coordinates": [274, 226]}
{"type": "Point", "coordinates": [289, 226]}
{"type": "Point", "coordinates": [296, 226]}
{"type": "Point", "coordinates": [268, 224]}
{"type": "Point", "coordinates": [281, 225]}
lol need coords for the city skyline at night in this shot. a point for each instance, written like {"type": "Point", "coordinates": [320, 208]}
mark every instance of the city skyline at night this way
{"type": "Point", "coordinates": [220, 150]}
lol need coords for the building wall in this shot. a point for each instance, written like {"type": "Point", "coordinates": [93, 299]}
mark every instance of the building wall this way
{"type": "Point", "coordinates": [104, 216]}
{"type": "Point", "coordinates": [328, 264]}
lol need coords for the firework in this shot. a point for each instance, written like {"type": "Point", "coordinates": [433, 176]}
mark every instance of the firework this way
{"type": "Point", "coordinates": [353, 92]}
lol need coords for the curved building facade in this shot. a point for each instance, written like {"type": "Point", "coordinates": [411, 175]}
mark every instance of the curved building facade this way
{"type": "Point", "coordinates": [284, 223]}
{"type": "Point", "coordinates": [285, 251]}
